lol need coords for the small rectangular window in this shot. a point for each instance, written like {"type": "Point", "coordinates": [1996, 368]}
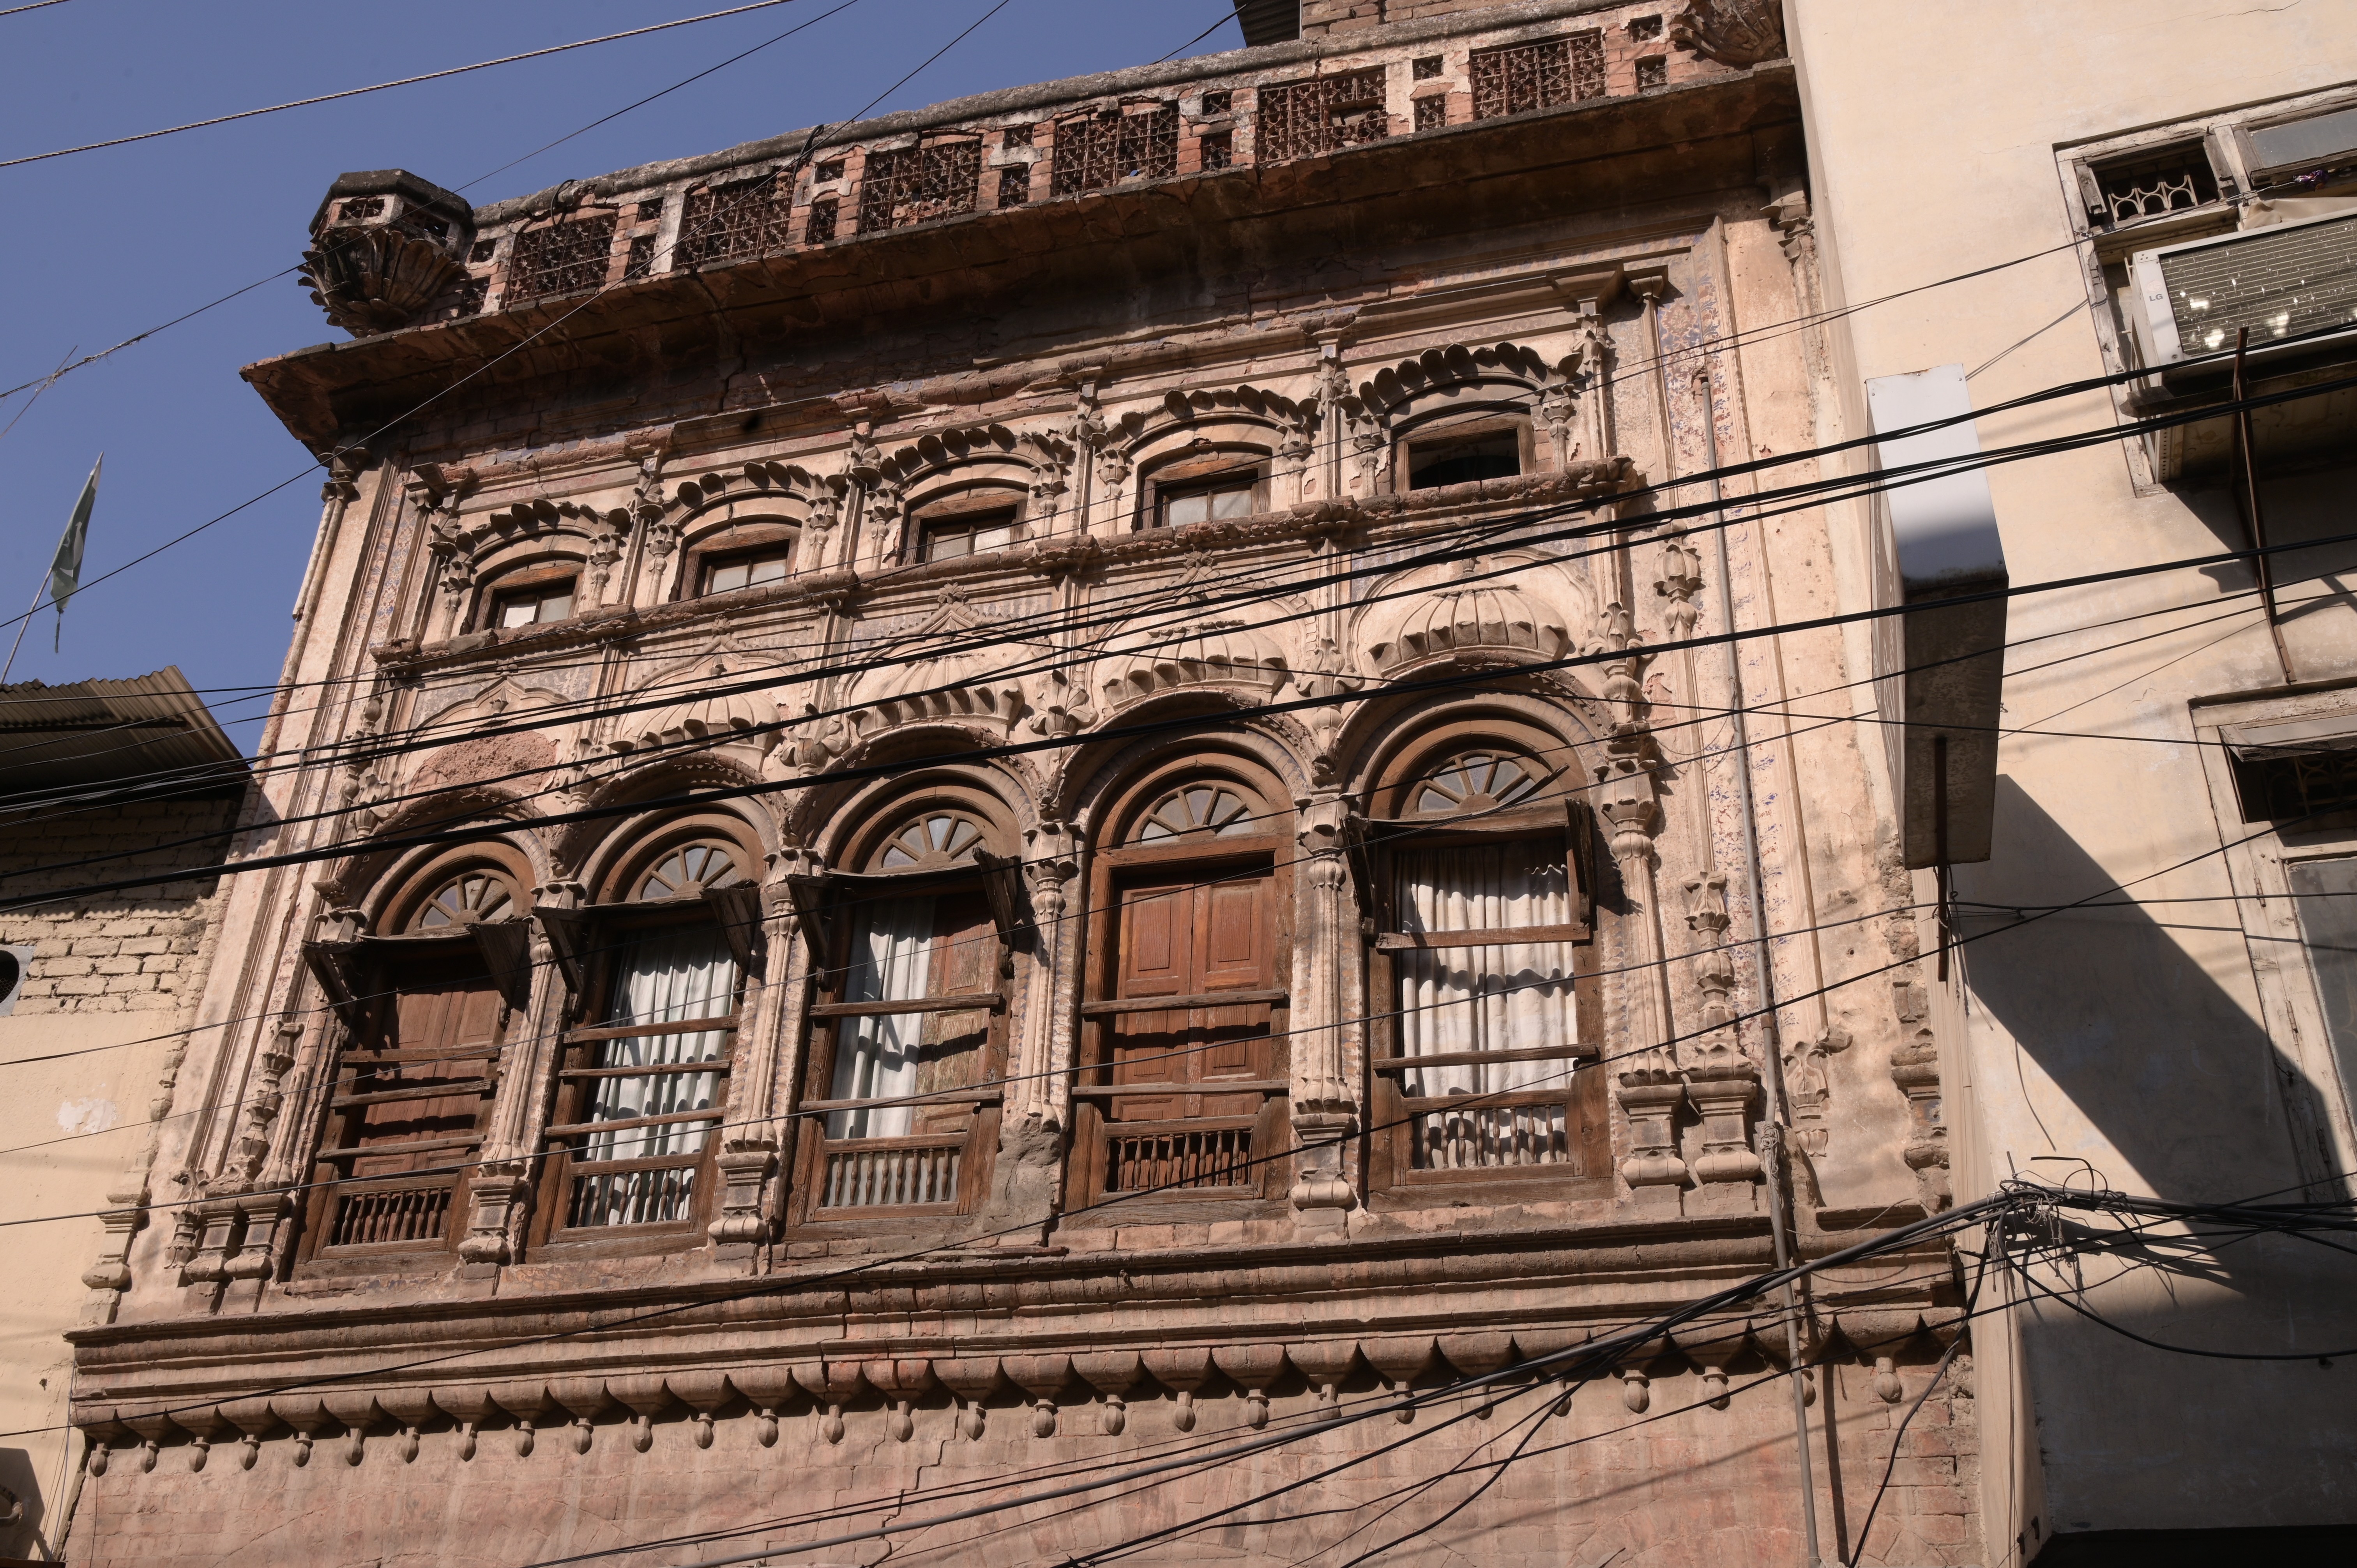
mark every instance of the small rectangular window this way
{"type": "Point", "coordinates": [1208, 503]}
{"type": "Point", "coordinates": [1651, 73]}
{"type": "Point", "coordinates": [1431, 114]}
{"type": "Point", "coordinates": [534, 604]}
{"type": "Point", "coordinates": [966, 533]}
{"type": "Point", "coordinates": [1015, 186]}
{"type": "Point", "coordinates": [1460, 459]}
{"type": "Point", "coordinates": [2176, 179]}
{"type": "Point", "coordinates": [1218, 151]}
{"type": "Point", "coordinates": [1426, 69]}
{"type": "Point", "coordinates": [747, 571]}
{"type": "Point", "coordinates": [1217, 103]}
{"type": "Point", "coordinates": [1642, 27]}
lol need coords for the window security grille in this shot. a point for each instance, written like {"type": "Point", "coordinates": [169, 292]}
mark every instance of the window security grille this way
{"type": "Point", "coordinates": [724, 223]}
{"type": "Point", "coordinates": [2174, 180]}
{"type": "Point", "coordinates": [1098, 150]}
{"type": "Point", "coordinates": [1538, 76]}
{"type": "Point", "coordinates": [916, 185]}
{"type": "Point", "coordinates": [563, 258]}
{"type": "Point", "coordinates": [1301, 119]}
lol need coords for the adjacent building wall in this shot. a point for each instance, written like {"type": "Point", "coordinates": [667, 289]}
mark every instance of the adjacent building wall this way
{"type": "Point", "coordinates": [2155, 1046]}
{"type": "Point", "coordinates": [112, 981]}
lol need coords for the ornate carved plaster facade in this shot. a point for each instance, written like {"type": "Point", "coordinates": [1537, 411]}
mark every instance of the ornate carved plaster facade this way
{"type": "Point", "coordinates": [1102, 430]}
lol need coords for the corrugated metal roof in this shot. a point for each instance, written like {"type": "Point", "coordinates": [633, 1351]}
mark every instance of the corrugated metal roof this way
{"type": "Point", "coordinates": [1269, 21]}
{"type": "Point", "coordinates": [98, 732]}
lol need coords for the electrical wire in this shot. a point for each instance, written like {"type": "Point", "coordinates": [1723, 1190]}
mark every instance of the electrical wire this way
{"type": "Point", "coordinates": [403, 82]}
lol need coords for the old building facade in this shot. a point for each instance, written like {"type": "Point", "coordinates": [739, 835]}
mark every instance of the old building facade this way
{"type": "Point", "coordinates": [966, 729]}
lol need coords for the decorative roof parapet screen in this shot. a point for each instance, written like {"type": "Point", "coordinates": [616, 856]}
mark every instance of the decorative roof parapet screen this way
{"type": "Point", "coordinates": [566, 257]}
{"type": "Point", "coordinates": [1517, 80]}
{"type": "Point", "coordinates": [1137, 141]}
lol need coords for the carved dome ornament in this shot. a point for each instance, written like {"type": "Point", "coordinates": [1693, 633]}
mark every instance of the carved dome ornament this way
{"type": "Point", "coordinates": [388, 250]}
{"type": "Point", "coordinates": [960, 687]}
{"type": "Point", "coordinates": [716, 717]}
{"type": "Point", "coordinates": [1492, 618]}
{"type": "Point", "coordinates": [1213, 653]}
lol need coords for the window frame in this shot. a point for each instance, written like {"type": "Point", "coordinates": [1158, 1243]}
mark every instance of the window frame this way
{"type": "Point", "coordinates": [737, 542]}
{"type": "Point", "coordinates": [1202, 470]}
{"type": "Point", "coordinates": [968, 505]}
{"type": "Point", "coordinates": [362, 981]}
{"type": "Point", "coordinates": [1457, 423]}
{"type": "Point", "coordinates": [1125, 862]}
{"type": "Point", "coordinates": [2260, 858]}
{"type": "Point", "coordinates": [537, 579]}
{"type": "Point", "coordinates": [1560, 813]}
{"type": "Point", "coordinates": [821, 903]}
{"type": "Point", "coordinates": [590, 944]}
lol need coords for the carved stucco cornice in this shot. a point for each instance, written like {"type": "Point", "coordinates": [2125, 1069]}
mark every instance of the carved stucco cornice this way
{"type": "Point", "coordinates": [1392, 518]}
{"type": "Point", "coordinates": [1426, 1282]}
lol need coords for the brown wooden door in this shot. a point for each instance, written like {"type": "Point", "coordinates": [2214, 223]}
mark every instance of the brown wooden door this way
{"type": "Point", "coordinates": [1194, 938]}
{"type": "Point", "coordinates": [964, 960]}
{"type": "Point", "coordinates": [457, 1022]}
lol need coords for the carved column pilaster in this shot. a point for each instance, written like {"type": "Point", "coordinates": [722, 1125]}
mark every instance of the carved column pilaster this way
{"type": "Point", "coordinates": [1051, 854]}
{"type": "Point", "coordinates": [1721, 1080]}
{"type": "Point", "coordinates": [1325, 1112]}
{"type": "Point", "coordinates": [1026, 1180]}
{"type": "Point", "coordinates": [265, 1159]}
{"type": "Point", "coordinates": [499, 1190]}
{"type": "Point", "coordinates": [1650, 1091]}
{"type": "Point", "coordinates": [1915, 1068]}
{"type": "Point", "coordinates": [754, 1141]}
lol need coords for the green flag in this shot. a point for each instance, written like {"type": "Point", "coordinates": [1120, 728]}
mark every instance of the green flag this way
{"type": "Point", "coordinates": [65, 572]}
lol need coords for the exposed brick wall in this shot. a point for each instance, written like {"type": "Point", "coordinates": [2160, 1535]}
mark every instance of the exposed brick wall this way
{"type": "Point", "coordinates": [133, 952]}
{"type": "Point", "coordinates": [1321, 18]}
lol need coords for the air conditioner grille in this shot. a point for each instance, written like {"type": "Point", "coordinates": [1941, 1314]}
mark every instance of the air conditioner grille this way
{"type": "Point", "coordinates": [2279, 283]}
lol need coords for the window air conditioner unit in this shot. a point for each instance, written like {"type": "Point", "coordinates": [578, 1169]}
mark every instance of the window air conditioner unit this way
{"type": "Point", "coordinates": [2284, 281]}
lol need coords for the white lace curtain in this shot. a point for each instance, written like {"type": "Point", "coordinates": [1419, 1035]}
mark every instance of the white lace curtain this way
{"type": "Point", "coordinates": [666, 976]}
{"type": "Point", "coordinates": [1502, 996]}
{"type": "Point", "coordinates": [890, 961]}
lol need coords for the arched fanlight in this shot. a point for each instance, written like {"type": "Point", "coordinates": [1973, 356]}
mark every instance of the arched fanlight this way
{"type": "Point", "coordinates": [1477, 782]}
{"type": "Point", "coordinates": [1202, 808]}
{"type": "Point", "coordinates": [936, 838]}
{"type": "Point", "coordinates": [465, 899]}
{"type": "Point", "coordinates": [690, 869]}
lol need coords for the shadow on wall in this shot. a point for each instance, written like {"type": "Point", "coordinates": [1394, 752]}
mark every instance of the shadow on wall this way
{"type": "Point", "coordinates": [2317, 587]}
{"type": "Point", "coordinates": [2156, 1074]}
{"type": "Point", "coordinates": [2135, 1036]}
{"type": "Point", "coordinates": [21, 1508]}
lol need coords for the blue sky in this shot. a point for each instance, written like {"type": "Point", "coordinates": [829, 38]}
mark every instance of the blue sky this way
{"type": "Point", "coordinates": [106, 244]}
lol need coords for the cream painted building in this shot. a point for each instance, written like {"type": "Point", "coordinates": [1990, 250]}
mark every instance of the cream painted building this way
{"type": "Point", "coordinates": [2095, 163]}
{"type": "Point", "coordinates": [96, 994]}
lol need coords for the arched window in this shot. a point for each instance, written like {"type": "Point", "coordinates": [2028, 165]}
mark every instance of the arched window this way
{"type": "Point", "coordinates": [645, 1079]}
{"type": "Point", "coordinates": [425, 1007]}
{"type": "Point", "coordinates": [473, 894]}
{"type": "Point", "coordinates": [909, 1041]}
{"type": "Point", "coordinates": [1482, 903]}
{"type": "Point", "coordinates": [1186, 999]}
{"type": "Point", "coordinates": [972, 520]}
{"type": "Point", "coordinates": [1204, 807]}
{"type": "Point", "coordinates": [743, 555]}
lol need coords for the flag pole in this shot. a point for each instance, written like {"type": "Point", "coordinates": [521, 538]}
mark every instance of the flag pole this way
{"type": "Point", "coordinates": [24, 621]}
